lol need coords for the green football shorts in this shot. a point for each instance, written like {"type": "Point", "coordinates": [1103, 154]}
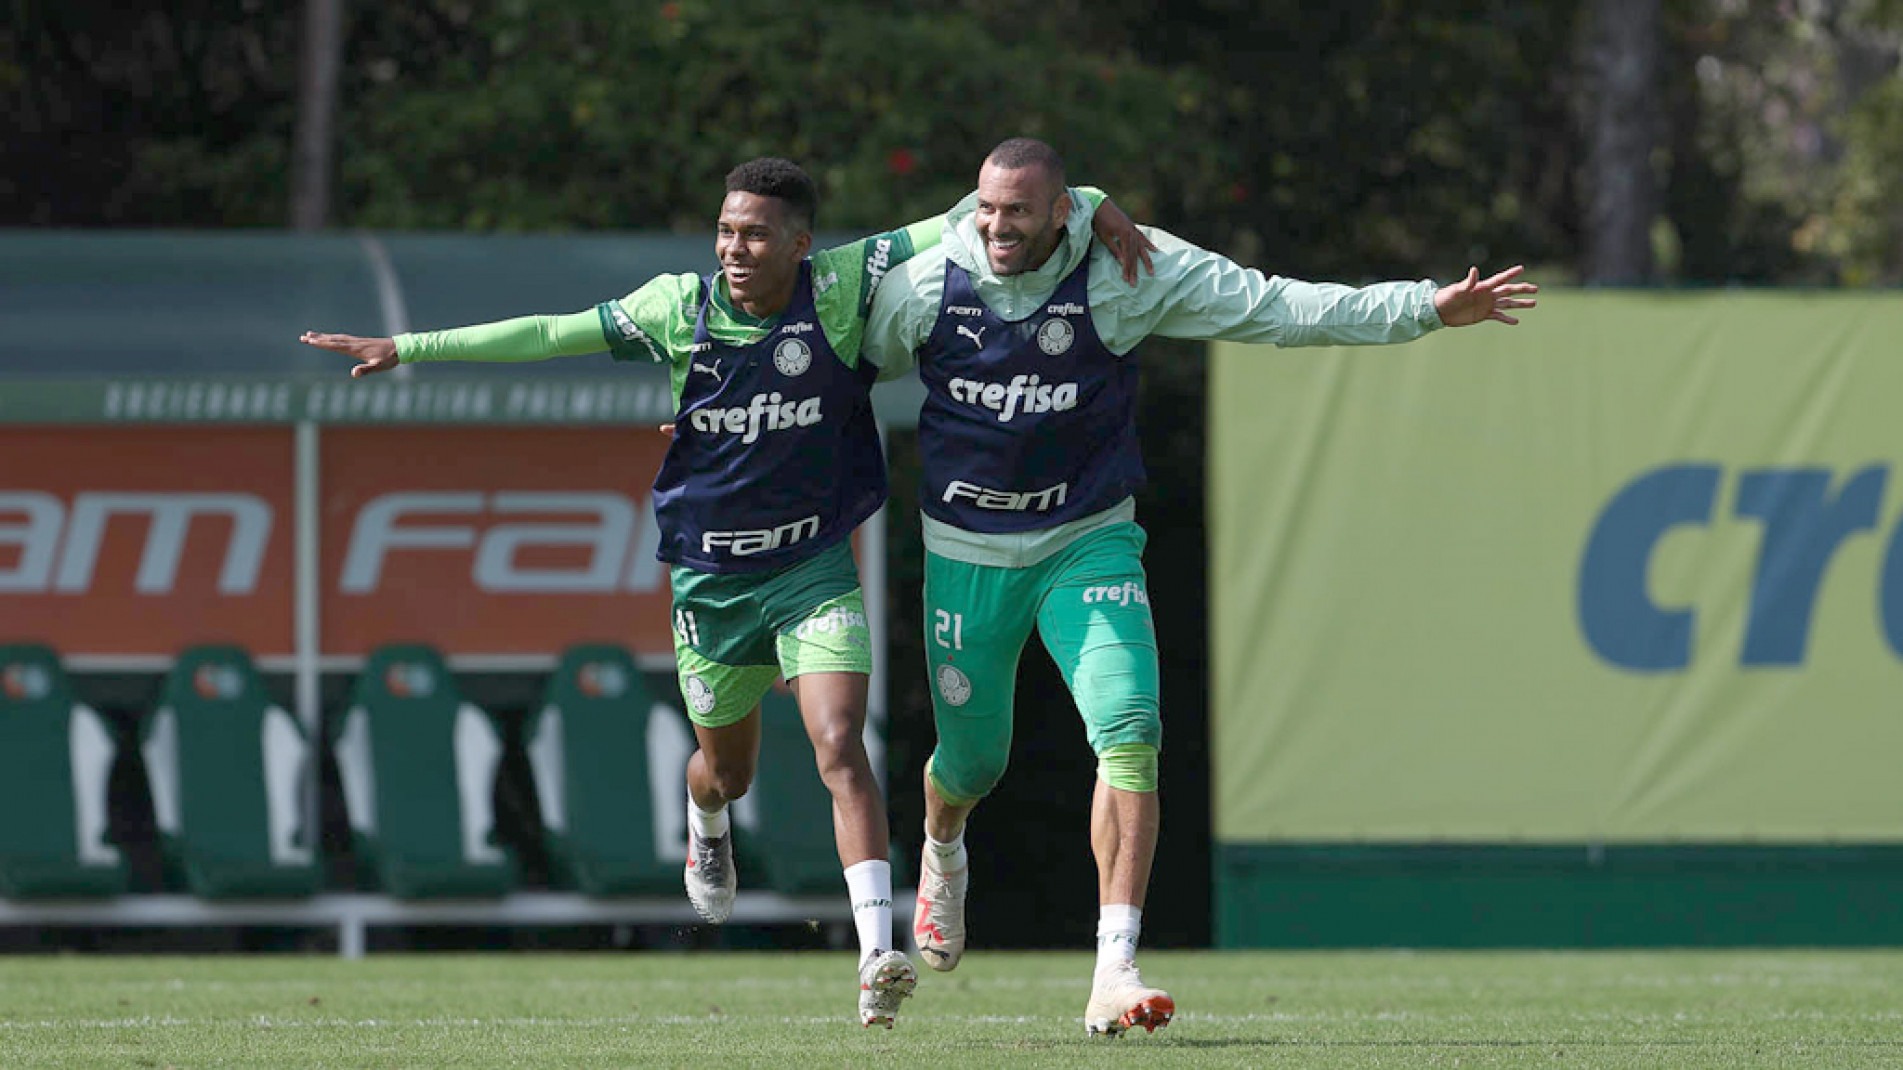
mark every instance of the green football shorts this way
{"type": "Point", "coordinates": [1090, 605]}
{"type": "Point", "coordinates": [735, 633]}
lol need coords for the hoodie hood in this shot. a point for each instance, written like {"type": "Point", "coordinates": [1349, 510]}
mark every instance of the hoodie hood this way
{"type": "Point", "coordinates": [1016, 296]}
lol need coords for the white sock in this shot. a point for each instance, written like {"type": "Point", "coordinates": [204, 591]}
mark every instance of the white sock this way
{"type": "Point", "coordinates": [1117, 929]}
{"type": "Point", "coordinates": [947, 857]}
{"type": "Point", "coordinates": [869, 887]}
{"type": "Point", "coordinates": [707, 824]}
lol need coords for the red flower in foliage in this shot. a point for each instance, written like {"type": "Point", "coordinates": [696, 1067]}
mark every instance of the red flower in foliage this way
{"type": "Point", "coordinates": [901, 161]}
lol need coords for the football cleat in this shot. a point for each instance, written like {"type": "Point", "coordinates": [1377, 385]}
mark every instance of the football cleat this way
{"type": "Point", "coordinates": [710, 877]}
{"type": "Point", "coordinates": [1119, 1001]}
{"type": "Point", "coordinates": [885, 979]}
{"type": "Point", "coordinates": [938, 921]}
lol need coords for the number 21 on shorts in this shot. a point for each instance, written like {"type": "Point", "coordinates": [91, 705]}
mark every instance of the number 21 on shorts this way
{"type": "Point", "coordinates": [952, 625]}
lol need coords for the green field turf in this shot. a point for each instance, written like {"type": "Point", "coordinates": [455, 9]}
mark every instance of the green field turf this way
{"type": "Point", "coordinates": [713, 1010]}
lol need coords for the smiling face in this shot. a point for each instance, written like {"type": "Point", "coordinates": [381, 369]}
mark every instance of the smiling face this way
{"type": "Point", "coordinates": [1021, 216]}
{"type": "Point", "coordinates": [760, 244]}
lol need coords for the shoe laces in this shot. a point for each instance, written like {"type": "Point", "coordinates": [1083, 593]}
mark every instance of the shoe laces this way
{"type": "Point", "coordinates": [1122, 974]}
{"type": "Point", "coordinates": [940, 898]}
{"type": "Point", "coordinates": [710, 863]}
{"type": "Point", "coordinates": [938, 887]}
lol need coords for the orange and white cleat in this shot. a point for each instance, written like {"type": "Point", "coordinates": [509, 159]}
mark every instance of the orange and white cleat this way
{"type": "Point", "coordinates": [1120, 1001]}
{"type": "Point", "coordinates": [938, 921]}
{"type": "Point", "coordinates": [886, 978]}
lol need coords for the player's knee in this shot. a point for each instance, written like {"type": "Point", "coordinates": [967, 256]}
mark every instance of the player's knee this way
{"type": "Point", "coordinates": [1134, 719]}
{"type": "Point", "coordinates": [968, 776]}
{"type": "Point", "coordinates": [1116, 688]}
{"type": "Point", "coordinates": [1128, 766]}
{"type": "Point", "coordinates": [732, 776]}
{"type": "Point", "coordinates": [733, 785]}
{"type": "Point", "coordinates": [842, 762]}
{"type": "Point", "coordinates": [838, 743]}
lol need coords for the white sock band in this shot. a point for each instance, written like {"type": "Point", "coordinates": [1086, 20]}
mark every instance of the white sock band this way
{"type": "Point", "coordinates": [947, 857]}
{"type": "Point", "coordinates": [869, 887]}
{"type": "Point", "coordinates": [707, 824]}
{"type": "Point", "coordinates": [1118, 926]}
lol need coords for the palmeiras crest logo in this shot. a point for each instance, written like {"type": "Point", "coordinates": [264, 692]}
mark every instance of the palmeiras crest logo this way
{"type": "Point", "coordinates": [1055, 336]}
{"type": "Point", "coordinates": [792, 357]}
{"type": "Point", "coordinates": [954, 685]}
{"type": "Point", "coordinates": [700, 696]}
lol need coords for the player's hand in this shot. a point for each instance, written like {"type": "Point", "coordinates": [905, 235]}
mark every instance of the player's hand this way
{"type": "Point", "coordinates": [1119, 233]}
{"type": "Point", "coordinates": [1474, 299]}
{"type": "Point", "coordinates": [372, 354]}
{"type": "Point", "coordinates": [668, 430]}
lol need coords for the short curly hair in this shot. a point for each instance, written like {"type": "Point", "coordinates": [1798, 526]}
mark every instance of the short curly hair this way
{"type": "Point", "coordinates": [783, 180]}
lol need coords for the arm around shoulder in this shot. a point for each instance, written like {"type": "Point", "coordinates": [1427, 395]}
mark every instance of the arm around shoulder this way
{"type": "Point", "coordinates": [903, 311]}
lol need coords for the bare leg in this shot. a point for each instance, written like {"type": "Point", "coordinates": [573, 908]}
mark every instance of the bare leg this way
{"type": "Point", "coordinates": [833, 707]}
{"type": "Point", "coordinates": [717, 774]}
{"type": "Point", "coordinates": [1123, 829]}
{"type": "Point", "coordinates": [944, 822]}
{"type": "Point", "coordinates": [722, 769]}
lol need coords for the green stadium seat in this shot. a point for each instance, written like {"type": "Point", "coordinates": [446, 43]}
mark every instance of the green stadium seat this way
{"type": "Point", "coordinates": [56, 759]}
{"type": "Point", "coordinates": [588, 749]}
{"type": "Point", "coordinates": [231, 777]}
{"type": "Point", "coordinates": [792, 835]}
{"type": "Point", "coordinates": [418, 769]}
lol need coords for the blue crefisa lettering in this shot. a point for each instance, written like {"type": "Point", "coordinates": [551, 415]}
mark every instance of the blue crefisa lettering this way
{"type": "Point", "coordinates": [1803, 527]}
{"type": "Point", "coordinates": [1804, 524]}
{"type": "Point", "coordinates": [1616, 612]}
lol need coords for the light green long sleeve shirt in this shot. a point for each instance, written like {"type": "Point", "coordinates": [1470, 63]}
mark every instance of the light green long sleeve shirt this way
{"type": "Point", "coordinates": [1193, 293]}
{"type": "Point", "coordinates": [655, 323]}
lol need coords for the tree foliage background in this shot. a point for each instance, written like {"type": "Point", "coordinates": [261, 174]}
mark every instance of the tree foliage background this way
{"type": "Point", "coordinates": [1355, 140]}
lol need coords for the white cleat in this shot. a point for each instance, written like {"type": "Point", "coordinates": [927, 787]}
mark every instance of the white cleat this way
{"type": "Point", "coordinates": [1119, 1001]}
{"type": "Point", "coordinates": [938, 921]}
{"type": "Point", "coordinates": [885, 979]}
{"type": "Point", "coordinates": [710, 877]}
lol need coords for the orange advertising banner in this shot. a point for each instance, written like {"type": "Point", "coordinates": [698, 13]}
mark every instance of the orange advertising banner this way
{"type": "Point", "coordinates": [493, 542]}
{"type": "Point", "coordinates": [135, 542]}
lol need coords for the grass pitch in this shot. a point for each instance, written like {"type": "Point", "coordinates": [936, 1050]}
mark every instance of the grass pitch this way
{"type": "Point", "coordinates": [715, 1010]}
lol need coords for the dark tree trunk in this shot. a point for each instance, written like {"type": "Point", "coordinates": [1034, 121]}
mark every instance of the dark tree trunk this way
{"type": "Point", "coordinates": [1621, 65]}
{"type": "Point", "coordinates": [320, 50]}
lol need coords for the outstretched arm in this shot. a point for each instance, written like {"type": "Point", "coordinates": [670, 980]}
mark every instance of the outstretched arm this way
{"type": "Point", "coordinates": [1199, 294]}
{"type": "Point", "coordinates": [1474, 299]}
{"type": "Point", "coordinates": [523, 338]}
{"type": "Point", "coordinates": [372, 354]}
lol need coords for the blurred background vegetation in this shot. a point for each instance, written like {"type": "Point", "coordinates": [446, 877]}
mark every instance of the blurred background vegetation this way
{"type": "Point", "coordinates": [1604, 142]}
{"type": "Point", "coordinates": [1750, 141]}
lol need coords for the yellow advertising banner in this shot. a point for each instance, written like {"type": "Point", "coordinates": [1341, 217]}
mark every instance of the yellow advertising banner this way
{"type": "Point", "coordinates": [1630, 572]}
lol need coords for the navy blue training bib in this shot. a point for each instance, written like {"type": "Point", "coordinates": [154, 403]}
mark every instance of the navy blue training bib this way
{"type": "Point", "coordinates": [1026, 424]}
{"type": "Point", "coordinates": [775, 454]}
